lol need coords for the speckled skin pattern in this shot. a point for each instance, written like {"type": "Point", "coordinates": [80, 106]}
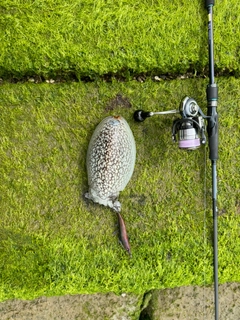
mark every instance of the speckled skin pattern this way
{"type": "Point", "coordinates": [110, 161]}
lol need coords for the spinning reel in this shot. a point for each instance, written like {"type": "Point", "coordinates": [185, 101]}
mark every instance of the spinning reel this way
{"type": "Point", "coordinates": [190, 128]}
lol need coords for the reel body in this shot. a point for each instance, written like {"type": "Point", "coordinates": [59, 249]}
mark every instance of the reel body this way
{"type": "Point", "coordinates": [190, 127]}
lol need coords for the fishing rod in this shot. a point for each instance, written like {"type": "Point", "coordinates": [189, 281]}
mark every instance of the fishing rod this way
{"type": "Point", "coordinates": [212, 129]}
{"type": "Point", "coordinates": [189, 131]}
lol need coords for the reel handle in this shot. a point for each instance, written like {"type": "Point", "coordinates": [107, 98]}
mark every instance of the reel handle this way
{"type": "Point", "coordinates": [140, 115]}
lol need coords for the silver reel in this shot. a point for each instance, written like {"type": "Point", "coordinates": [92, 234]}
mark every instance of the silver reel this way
{"type": "Point", "coordinates": [189, 130]}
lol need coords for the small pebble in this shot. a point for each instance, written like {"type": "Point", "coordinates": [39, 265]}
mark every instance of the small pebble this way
{"type": "Point", "coordinates": [156, 78]}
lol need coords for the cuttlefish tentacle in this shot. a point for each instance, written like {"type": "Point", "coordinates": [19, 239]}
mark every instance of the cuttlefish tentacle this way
{"type": "Point", "coordinates": [123, 237]}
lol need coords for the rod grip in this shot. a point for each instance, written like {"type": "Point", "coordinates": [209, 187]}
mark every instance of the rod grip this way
{"type": "Point", "coordinates": [212, 129]}
{"type": "Point", "coordinates": [209, 3]}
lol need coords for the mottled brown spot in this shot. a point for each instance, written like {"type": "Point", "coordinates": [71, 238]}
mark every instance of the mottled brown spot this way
{"type": "Point", "coordinates": [118, 101]}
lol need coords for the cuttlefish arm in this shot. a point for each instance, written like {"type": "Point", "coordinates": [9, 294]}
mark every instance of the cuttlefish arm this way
{"type": "Point", "coordinates": [123, 234]}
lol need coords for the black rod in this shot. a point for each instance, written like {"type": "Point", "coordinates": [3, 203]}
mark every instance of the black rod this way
{"type": "Point", "coordinates": [212, 129]}
{"type": "Point", "coordinates": [210, 45]}
{"type": "Point", "coordinates": [215, 237]}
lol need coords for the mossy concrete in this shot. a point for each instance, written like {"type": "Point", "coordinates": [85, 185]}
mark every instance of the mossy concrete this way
{"type": "Point", "coordinates": [193, 303]}
{"type": "Point", "coordinates": [74, 307]}
{"type": "Point", "coordinates": [182, 303]}
{"type": "Point", "coordinates": [91, 38]}
{"type": "Point", "coordinates": [54, 242]}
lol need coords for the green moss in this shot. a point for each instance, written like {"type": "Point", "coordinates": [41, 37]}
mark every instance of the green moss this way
{"type": "Point", "coordinates": [90, 38]}
{"type": "Point", "coordinates": [55, 242]}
